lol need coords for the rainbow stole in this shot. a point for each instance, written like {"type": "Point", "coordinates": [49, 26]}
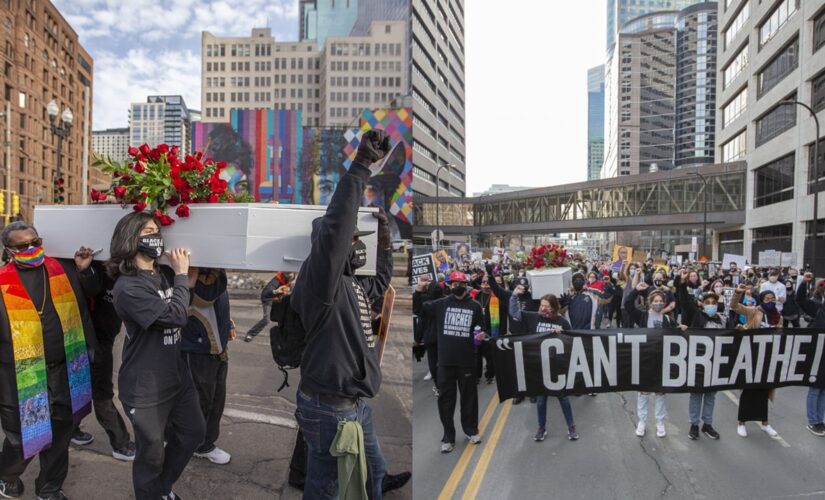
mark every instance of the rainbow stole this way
{"type": "Point", "coordinates": [495, 316]}
{"type": "Point", "coordinates": [30, 362]}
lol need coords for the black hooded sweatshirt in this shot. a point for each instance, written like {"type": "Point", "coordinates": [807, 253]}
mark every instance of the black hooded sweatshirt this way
{"type": "Point", "coordinates": [333, 304]}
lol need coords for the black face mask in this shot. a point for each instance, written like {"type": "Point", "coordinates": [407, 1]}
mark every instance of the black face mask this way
{"type": "Point", "coordinates": [459, 291]}
{"type": "Point", "coordinates": [658, 282]}
{"type": "Point", "coordinates": [578, 285]}
{"type": "Point", "coordinates": [358, 255]}
{"type": "Point", "coordinates": [151, 245]}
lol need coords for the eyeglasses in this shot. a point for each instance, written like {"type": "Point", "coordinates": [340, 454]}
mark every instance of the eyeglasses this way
{"type": "Point", "coordinates": [24, 246]}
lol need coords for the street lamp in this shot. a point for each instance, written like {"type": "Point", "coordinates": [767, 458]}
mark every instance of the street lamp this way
{"type": "Point", "coordinates": [816, 176]}
{"type": "Point", "coordinates": [438, 203]}
{"type": "Point", "coordinates": [705, 216]}
{"type": "Point", "coordinates": [61, 128]}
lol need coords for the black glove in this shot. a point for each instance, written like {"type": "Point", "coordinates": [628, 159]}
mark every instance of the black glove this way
{"type": "Point", "coordinates": [375, 144]}
{"type": "Point", "coordinates": [383, 228]}
{"type": "Point", "coordinates": [489, 268]}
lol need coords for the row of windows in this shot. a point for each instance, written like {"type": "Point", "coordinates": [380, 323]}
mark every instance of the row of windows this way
{"type": "Point", "coordinates": [737, 106]}
{"type": "Point", "coordinates": [363, 49]}
{"type": "Point", "coordinates": [364, 81]}
{"type": "Point", "coordinates": [776, 20]}
{"type": "Point", "coordinates": [738, 23]}
{"type": "Point", "coordinates": [779, 119]}
{"type": "Point", "coordinates": [735, 68]}
{"type": "Point", "coordinates": [778, 68]}
{"type": "Point", "coordinates": [774, 182]}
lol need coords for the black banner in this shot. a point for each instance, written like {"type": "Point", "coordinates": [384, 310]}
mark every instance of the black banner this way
{"type": "Point", "coordinates": [657, 360]}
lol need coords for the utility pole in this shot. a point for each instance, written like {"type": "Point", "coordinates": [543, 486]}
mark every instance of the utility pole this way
{"type": "Point", "coordinates": [7, 144]}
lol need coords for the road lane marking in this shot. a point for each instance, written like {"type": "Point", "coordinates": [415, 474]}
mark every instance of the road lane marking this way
{"type": "Point", "coordinates": [735, 400]}
{"type": "Point", "coordinates": [260, 417]}
{"type": "Point", "coordinates": [481, 468]}
{"type": "Point", "coordinates": [461, 466]}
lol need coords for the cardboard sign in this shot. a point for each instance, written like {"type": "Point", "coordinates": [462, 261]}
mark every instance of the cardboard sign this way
{"type": "Point", "coordinates": [384, 324]}
{"type": "Point", "coordinates": [423, 265]}
{"type": "Point", "coordinates": [770, 258]}
{"type": "Point", "coordinates": [728, 258]}
{"type": "Point", "coordinates": [788, 259]}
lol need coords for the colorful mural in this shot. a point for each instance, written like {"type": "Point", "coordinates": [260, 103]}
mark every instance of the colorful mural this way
{"type": "Point", "coordinates": [275, 159]}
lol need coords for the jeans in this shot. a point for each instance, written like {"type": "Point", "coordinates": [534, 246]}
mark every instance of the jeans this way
{"type": "Point", "coordinates": [642, 403]}
{"type": "Point", "coordinates": [319, 424]}
{"type": "Point", "coordinates": [261, 324]}
{"type": "Point", "coordinates": [816, 405]}
{"type": "Point", "coordinates": [701, 402]}
{"type": "Point", "coordinates": [600, 313]}
{"type": "Point", "coordinates": [566, 409]}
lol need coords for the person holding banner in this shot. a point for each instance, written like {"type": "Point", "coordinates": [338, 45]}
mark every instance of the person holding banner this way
{"type": "Point", "coordinates": [579, 304]}
{"type": "Point", "coordinates": [546, 320]}
{"type": "Point", "coordinates": [815, 402]}
{"type": "Point", "coordinates": [425, 332]}
{"type": "Point", "coordinates": [753, 403]}
{"type": "Point", "coordinates": [700, 403]}
{"type": "Point", "coordinates": [456, 316]}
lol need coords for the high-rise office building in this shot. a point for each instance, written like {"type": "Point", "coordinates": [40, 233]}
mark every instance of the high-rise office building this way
{"type": "Point", "coordinates": [43, 61]}
{"type": "Point", "coordinates": [160, 120]}
{"type": "Point", "coordinates": [595, 121]}
{"type": "Point", "coordinates": [319, 19]}
{"type": "Point", "coordinates": [772, 52]}
{"type": "Point", "coordinates": [112, 143]}
{"type": "Point", "coordinates": [620, 12]}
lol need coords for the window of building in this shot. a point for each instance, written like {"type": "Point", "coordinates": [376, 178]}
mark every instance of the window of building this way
{"type": "Point", "coordinates": [736, 148]}
{"type": "Point", "coordinates": [732, 242]}
{"type": "Point", "coordinates": [779, 119]}
{"type": "Point", "coordinates": [738, 23]}
{"type": "Point", "coordinates": [736, 66]}
{"type": "Point", "coordinates": [776, 20]}
{"type": "Point", "coordinates": [778, 68]}
{"type": "Point", "coordinates": [773, 183]}
{"type": "Point", "coordinates": [771, 238]}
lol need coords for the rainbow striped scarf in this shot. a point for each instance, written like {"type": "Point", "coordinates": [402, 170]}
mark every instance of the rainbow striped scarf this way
{"type": "Point", "coordinates": [495, 317]}
{"type": "Point", "coordinates": [29, 360]}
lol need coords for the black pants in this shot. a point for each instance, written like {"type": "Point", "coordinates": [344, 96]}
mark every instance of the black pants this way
{"type": "Point", "coordinates": [794, 322]}
{"type": "Point", "coordinates": [484, 352]}
{"type": "Point", "coordinates": [432, 360]}
{"type": "Point", "coordinates": [298, 462]}
{"type": "Point", "coordinates": [261, 324]}
{"type": "Point", "coordinates": [54, 461]}
{"type": "Point", "coordinates": [209, 375]}
{"type": "Point", "coordinates": [156, 468]}
{"type": "Point", "coordinates": [450, 377]}
{"type": "Point", "coordinates": [103, 393]}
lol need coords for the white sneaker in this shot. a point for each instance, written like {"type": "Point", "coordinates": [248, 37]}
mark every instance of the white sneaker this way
{"type": "Point", "coordinates": [428, 376]}
{"type": "Point", "coordinates": [474, 439]}
{"type": "Point", "coordinates": [447, 447]}
{"type": "Point", "coordinates": [640, 429]}
{"type": "Point", "coordinates": [216, 456]}
{"type": "Point", "coordinates": [769, 430]}
{"type": "Point", "coordinates": [740, 429]}
{"type": "Point", "coordinates": [660, 429]}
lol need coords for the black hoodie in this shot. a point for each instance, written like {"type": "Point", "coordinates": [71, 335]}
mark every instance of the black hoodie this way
{"type": "Point", "coordinates": [334, 305]}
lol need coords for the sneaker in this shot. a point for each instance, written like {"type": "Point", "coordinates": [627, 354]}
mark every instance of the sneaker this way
{"type": "Point", "coordinates": [171, 496]}
{"type": "Point", "coordinates": [11, 490]}
{"type": "Point", "coordinates": [592, 394]}
{"type": "Point", "coordinates": [640, 428]}
{"type": "Point", "coordinates": [248, 338]}
{"type": "Point", "coordinates": [127, 454]}
{"type": "Point", "coordinates": [572, 435]}
{"type": "Point", "coordinates": [216, 456]}
{"type": "Point", "coordinates": [435, 391]}
{"type": "Point", "coordinates": [540, 435]}
{"type": "Point", "coordinates": [394, 481]}
{"type": "Point", "coordinates": [660, 429]}
{"type": "Point", "coordinates": [428, 376]}
{"type": "Point", "coordinates": [740, 429]}
{"type": "Point", "coordinates": [694, 432]}
{"type": "Point", "coordinates": [474, 439]}
{"type": "Point", "coordinates": [709, 431]}
{"type": "Point", "coordinates": [54, 496]}
{"type": "Point", "coordinates": [769, 430]}
{"type": "Point", "coordinates": [447, 447]}
{"type": "Point", "coordinates": [81, 438]}
{"type": "Point", "coordinates": [817, 429]}
{"type": "Point", "coordinates": [533, 400]}
{"type": "Point", "coordinates": [518, 400]}
{"type": "Point", "coordinates": [489, 380]}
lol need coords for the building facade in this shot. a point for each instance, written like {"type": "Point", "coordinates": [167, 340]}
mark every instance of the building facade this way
{"type": "Point", "coordinates": [319, 19]}
{"type": "Point", "coordinates": [595, 121]}
{"type": "Point", "coordinates": [620, 12]}
{"type": "Point", "coordinates": [112, 143]}
{"type": "Point", "coordinates": [160, 120]}
{"type": "Point", "coordinates": [771, 52]}
{"type": "Point", "coordinates": [43, 61]}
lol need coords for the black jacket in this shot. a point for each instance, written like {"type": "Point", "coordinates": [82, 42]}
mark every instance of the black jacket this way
{"type": "Point", "coordinates": [454, 321]}
{"type": "Point", "coordinates": [810, 307]}
{"type": "Point", "coordinates": [693, 317]}
{"type": "Point", "coordinates": [579, 310]}
{"type": "Point", "coordinates": [337, 359]}
{"type": "Point", "coordinates": [424, 331]}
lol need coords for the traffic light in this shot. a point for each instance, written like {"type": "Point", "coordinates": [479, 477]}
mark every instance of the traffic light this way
{"type": "Point", "coordinates": [58, 190]}
{"type": "Point", "coordinates": [15, 204]}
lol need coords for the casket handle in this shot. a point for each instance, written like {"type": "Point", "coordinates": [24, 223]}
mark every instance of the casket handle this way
{"type": "Point", "coordinates": [293, 259]}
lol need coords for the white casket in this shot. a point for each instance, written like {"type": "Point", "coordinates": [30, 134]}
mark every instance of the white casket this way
{"type": "Point", "coordinates": [555, 280]}
{"type": "Point", "coordinates": [253, 237]}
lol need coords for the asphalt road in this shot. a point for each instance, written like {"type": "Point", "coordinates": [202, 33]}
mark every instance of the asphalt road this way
{"type": "Point", "coordinates": [258, 428]}
{"type": "Point", "coordinates": [609, 461]}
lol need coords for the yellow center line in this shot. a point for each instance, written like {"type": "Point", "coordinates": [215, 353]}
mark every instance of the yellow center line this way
{"type": "Point", "coordinates": [463, 461]}
{"type": "Point", "coordinates": [481, 468]}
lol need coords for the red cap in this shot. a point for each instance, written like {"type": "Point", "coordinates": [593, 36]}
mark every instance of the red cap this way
{"type": "Point", "coordinates": [458, 276]}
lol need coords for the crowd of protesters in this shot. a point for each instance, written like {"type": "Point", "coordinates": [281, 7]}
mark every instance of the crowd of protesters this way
{"type": "Point", "coordinates": [453, 323]}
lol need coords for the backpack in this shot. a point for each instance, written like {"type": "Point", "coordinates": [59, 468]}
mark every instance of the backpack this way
{"type": "Point", "coordinates": [287, 337]}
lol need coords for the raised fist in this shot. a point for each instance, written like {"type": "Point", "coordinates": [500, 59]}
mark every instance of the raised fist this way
{"type": "Point", "coordinates": [375, 144]}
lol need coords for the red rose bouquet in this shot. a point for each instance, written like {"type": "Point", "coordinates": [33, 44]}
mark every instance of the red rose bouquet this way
{"type": "Point", "coordinates": [547, 256]}
{"type": "Point", "coordinates": [159, 179]}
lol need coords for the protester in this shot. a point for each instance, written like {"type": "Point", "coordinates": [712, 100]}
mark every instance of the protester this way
{"type": "Point", "coordinates": [546, 320]}
{"type": "Point", "coordinates": [278, 284]}
{"type": "Point", "coordinates": [579, 304]}
{"type": "Point", "coordinates": [455, 318]}
{"type": "Point", "coordinates": [425, 330]}
{"type": "Point", "coordinates": [44, 362]}
{"type": "Point", "coordinates": [700, 403]}
{"type": "Point", "coordinates": [155, 384]}
{"type": "Point", "coordinates": [815, 402]}
{"type": "Point", "coordinates": [339, 368]}
{"type": "Point", "coordinates": [205, 340]}
{"type": "Point", "coordinates": [753, 403]}
{"type": "Point", "coordinates": [494, 309]}
{"type": "Point", "coordinates": [790, 309]}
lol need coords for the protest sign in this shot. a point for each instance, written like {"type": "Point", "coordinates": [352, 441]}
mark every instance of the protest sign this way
{"type": "Point", "coordinates": [639, 255]}
{"type": "Point", "coordinates": [770, 258]}
{"type": "Point", "coordinates": [788, 259]}
{"type": "Point", "coordinates": [657, 360]}
{"type": "Point", "coordinates": [621, 254]}
{"type": "Point", "coordinates": [728, 258]}
{"type": "Point", "coordinates": [423, 265]}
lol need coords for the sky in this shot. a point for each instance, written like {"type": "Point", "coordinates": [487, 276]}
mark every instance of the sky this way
{"type": "Point", "coordinates": [526, 71]}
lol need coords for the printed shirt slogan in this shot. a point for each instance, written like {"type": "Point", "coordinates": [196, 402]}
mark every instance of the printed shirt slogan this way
{"type": "Point", "coordinates": [458, 322]}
